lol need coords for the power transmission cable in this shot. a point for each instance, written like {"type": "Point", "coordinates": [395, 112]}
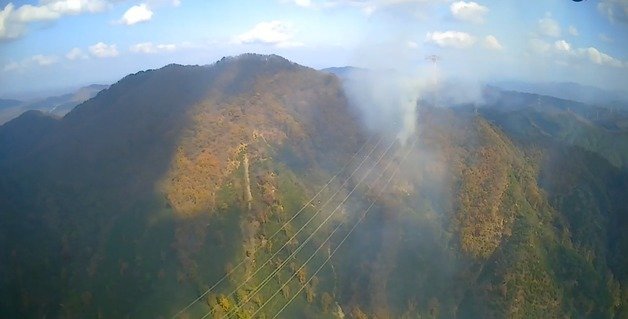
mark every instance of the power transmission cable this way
{"type": "Point", "coordinates": [284, 225]}
{"type": "Point", "coordinates": [300, 229]}
{"type": "Point", "coordinates": [337, 247]}
{"type": "Point", "coordinates": [298, 249]}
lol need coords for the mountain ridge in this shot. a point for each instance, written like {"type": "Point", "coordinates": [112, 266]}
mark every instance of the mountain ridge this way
{"type": "Point", "coordinates": [53, 105]}
{"type": "Point", "coordinates": [568, 90]}
{"type": "Point", "coordinates": [143, 197]}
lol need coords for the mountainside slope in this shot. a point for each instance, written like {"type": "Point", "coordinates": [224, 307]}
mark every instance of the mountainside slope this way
{"type": "Point", "coordinates": [249, 187]}
{"type": "Point", "coordinates": [156, 144]}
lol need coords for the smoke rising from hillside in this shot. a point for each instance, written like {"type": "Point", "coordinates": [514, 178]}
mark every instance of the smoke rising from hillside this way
{"type": "Point", "coordinates": [387, 91]}
{"type": "Point", "coordinates": [398, 79]}
{"type": "Point", "coordinates": [387, 101]}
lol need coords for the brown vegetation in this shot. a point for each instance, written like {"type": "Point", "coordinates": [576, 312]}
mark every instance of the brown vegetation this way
{"type": "Point", "coordinates": [482, 219]}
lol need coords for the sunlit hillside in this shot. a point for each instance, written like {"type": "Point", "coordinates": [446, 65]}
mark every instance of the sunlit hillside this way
{"type": "Point", "coordinates": [250, 188]}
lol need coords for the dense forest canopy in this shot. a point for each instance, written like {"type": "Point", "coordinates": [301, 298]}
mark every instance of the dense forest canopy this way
{"type": "Point", "coordinates": [252, 187]}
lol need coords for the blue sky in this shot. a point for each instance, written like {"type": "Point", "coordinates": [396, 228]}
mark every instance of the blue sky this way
{"type": "Point", "coordinates": [51, 45]}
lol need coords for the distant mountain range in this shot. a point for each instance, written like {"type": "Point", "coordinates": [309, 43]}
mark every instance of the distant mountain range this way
{"type": "Point", "coordinates": [8, 103]}
{"type": "Point", "coordinates": [344, 71]}
{"type": "Point", "coordinates": [250, 188]}
{"type": "Point", "coordinates": [54, 105]}
{"type": "Point", "coordinates": [569, 91]}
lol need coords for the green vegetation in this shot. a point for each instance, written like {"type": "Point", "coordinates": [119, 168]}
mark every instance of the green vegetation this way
{"type": "Point", "coordinates": [137, 202]}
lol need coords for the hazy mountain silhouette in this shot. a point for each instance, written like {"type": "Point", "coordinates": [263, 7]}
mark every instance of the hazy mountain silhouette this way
{"type": "Point", "coordinates": [54, 105]}
{"type": "Point", "coordinates": [6, 103]}
{"type": "Point", "coordinates": [568, 90]}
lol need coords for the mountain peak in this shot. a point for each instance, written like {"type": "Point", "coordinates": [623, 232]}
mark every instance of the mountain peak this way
{"type": "Point", "coordinates": [253, 64]}
{"type": "Point", "coordinates": [256, 57]}
{"type": "Point", "coordinates": [144, 195]}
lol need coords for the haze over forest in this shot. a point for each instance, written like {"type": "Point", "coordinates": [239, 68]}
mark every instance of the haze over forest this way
{"type": "Point", "coordinates": [313, 159]}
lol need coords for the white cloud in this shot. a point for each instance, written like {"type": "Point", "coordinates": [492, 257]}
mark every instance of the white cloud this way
{"type": "Point", "coordinates": [102, 50]}
{"type": "Point", "coordinates": [137, 14]}
{"type": "Point", "coordinates": [412, 44]}
{"type": "Point", "coordinates": [276, 33]}
{"type": "Point", "coordinates": [600, 58]}
{"type": "Point", "coordinates": [28, 13]}
{"type": "Point", "coordinates": [11, 66]}
{"type": "Point", "coordinates": [468, 11]}
{"type": "Point", "coordinates": [161, 3]}
{"type": "Point", "coordinates": [368, 7]}
{"type": "Point", "coordinates": [549, 27]}
{"type": "Point", "coordinates": [309, 4]}
{"type": "Point", "coordinates": [76, 54]}
{"type": "Point", "coordinates": [573, 31]}
{"type": "Point", "coordinates": [14, 21]}
{"type": "Point", "coordinates": [35, 60]}
{"type": "Point", "coordinates": [491, 42]}
{"type": "Point", "coordinates": [55, 9]}
{"type": "Point", "coordinates": [564, 49]}
{"type": "Point", "coordinates": [614, 10]}
{"type": "Point", "coordinates": [9, 29]}
{"type": "Point", "coordinates": [149, 47]}
{"type": "Point", "coordinates": [539, 46]}
{"type": "Point", "coordinates": [565, 53]}
{"type": "Point", "coordinates": [44, 60]}
{"type": "Point", "coordinates": [303, 3]}
{"type": "Point", "coordinates": [417, 8]}
{"type": "Point", "coordinates": [562, 45]}
{"type": "Point", "coordinates": [453, 39]}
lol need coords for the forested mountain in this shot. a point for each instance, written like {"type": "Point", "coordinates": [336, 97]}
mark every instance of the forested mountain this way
{"type": "Point", "coordinates": [251, 188]}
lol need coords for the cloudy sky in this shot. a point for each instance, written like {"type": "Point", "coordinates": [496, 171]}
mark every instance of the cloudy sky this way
{"type": "Point", "coordinates": [51, 45]}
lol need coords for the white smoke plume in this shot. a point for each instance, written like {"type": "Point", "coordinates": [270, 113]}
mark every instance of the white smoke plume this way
{"type": "Point", "coordinates": [387, 100]}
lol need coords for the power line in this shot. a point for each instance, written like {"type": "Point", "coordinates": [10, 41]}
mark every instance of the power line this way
{"type": "Point", "coordinates": [278, 230]}
{"type": "Point", "coordinates": [298, 249]}
{"type": "Point", "coordinates": [337, 247]}
{"type": "Point", "coordinates": [302, 227]}
{"type": "Point", "coordinates": [305, 225]}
